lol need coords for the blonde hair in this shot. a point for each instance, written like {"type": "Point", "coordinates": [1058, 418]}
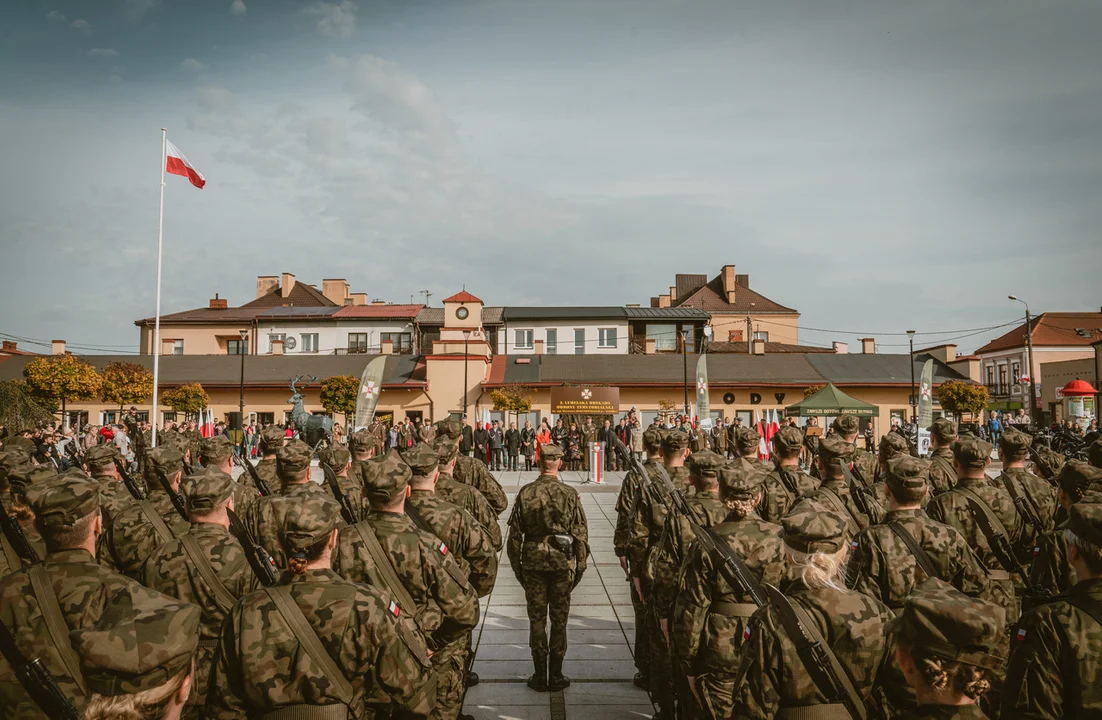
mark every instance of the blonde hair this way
{"type": "Point", "coordinates": [818, 569]}
{"type": "Point", "coordinates": [145, 705]}
{"type": "Point", "coordinates": [739, 509]}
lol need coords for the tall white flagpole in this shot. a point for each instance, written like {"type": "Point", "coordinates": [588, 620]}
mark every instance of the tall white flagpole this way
{"type": "Point", "coordinates": [157, 320]}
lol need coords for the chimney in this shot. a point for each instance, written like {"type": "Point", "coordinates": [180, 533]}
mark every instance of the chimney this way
{"type": "Point", "coordinates": [264, 284]}
{"type": "Point", "coordinates": [287, 285]}
{"type": "Point", "coordinates": [868, 346]}
{"type": "Point", "coordinates": [378, 302]}
{"type": "Point", "coordinates": [728, 276]}
{"type": "Point", "coordinates": [57, 347]}
{"type": "Point", "coordinates": [742, 281]}
{"type": "Point", "coordinates": [650, 346]}
{"type": "Point", "coordinates": [840, 348]}
{"type": "Point", "coordinates": [387, 347]}
{"type": "Point", "coordinates": [335, 290]}
{"type": "Point", "coordinates": [217, 303]}
{"type": "Point", "coordinates": [10, 346]}
{"type": "Point", "coordinates": [277, 347]}
{"type": "Point", "coordinates": [663, 301]}
{"type": "Point", "coordinates": [357, 299]}
{"type": "Point", "coordinates": [759, 346]}
{"type": "Point", "coordinates": [673, 293]}
{"type": "Point", "coordinates": [538, 346]}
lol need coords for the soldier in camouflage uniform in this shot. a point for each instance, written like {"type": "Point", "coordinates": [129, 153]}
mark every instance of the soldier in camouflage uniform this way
{"type": "Point", "coordinates": [264, 518]}
{"type": "Point", "coordinates": [339, 460]}
{"type": "Point", "coordinates": [948, 648]}
{"type": "Point", "coordinates": [66, 510]}
{"type": "Point", "coordinates": [1094, 453]}
{"type": "Point", "coordinates": [362, 446]}
{"type": "Point", "coordinates": [217, 452]}
{"type": "Point", "coordinates": [548, 547]}
{"type": "Point", "coordinates": [710, 616]}
{"type": "Point", "coordinates": [848, 427]}
{"type": "Point", "coordinates": [1050, 570]}
{"type": "Point", "coordinates": [139, 659]}
{"type": "Point", "coordinates": [470, 471]}
{"type": "Point", "coordinates": [786, 483]}
{"type": "Point", "coordinates": [263, 665]}
{"type": "Point", "coordinates": [1056, 657]}
{"type": "Point", "coordinates": [651, 500]}
{"type": "Point", "coordinates": [272, 438]}
{"type": "Point", "coordinates": [877, 498]}
{"type": "Point", "coordinates": [748, 445]}
{"type": "Point", "coordinates": [144, 526]}
{"type": "Point", "coordinates": [113, 495]}
{"type": "Point", "coordinates": [771, 677]}
{"type": "Point", "coordinates": [19, 479]}
{"type": "Point", "coordinates": [835, 493]}
{"type": "Point", "coordinates": [943, 478]}
{"type": "Point", "coordinates": [1034, 498]}
{"type": "Point", "coordinates": [464, 496]}
{"type": "Point", "coordinates": [174, 568]}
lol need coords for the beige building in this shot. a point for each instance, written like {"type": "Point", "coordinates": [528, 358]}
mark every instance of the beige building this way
{"type": "Point", "coordinates": [1056, 375]}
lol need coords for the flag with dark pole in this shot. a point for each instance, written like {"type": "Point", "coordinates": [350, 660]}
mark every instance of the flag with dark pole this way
{"type": "Point", "coordinates": [371, 383]}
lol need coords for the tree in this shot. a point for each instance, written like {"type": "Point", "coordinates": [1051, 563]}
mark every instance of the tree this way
{"type": "Point", "coordinates": [339, 395]}
{"type": "Point", "coordinates": [188, 399]}
{"type": "Point", "coordinates": [812, 389]}
{"type": "Point", "coordinates": [959, 397]}
{"type": "Point", "coordinates": [126, 383]}
{"type": "Point", "coordinates": [62, 378]}
{"type": "Point", "coordinates": [19, 409]}
{"type": "Point", "coordinates": [512, 398]}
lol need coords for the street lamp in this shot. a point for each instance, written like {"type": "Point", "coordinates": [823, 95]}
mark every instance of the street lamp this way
{"type": "Point", "coordinates": [685, 368]}
{"type": "Point", "coordinates": [1029, 350]}
{"type": "Point", "coordinates": [914, 395]}
{"type": "Point", "coordinates": [466, 340]}
{"type": "Point", "coordinates": [241, 399]}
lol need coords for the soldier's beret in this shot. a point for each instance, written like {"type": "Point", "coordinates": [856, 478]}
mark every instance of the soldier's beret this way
{"type": "Point", "coordinates": [271, 439]}
{"type": "Point", "coordinates": [652, 439]}
{"type": "Point", "coordinates": [1094, 453]}
{"type": "Point", "coordinates": [215, 449]}
{"type": "Point", "coordinates": [740, 480]}
{"type": "Point", "coordinates": [59, 502]}
{"type": "Point", "coordinates": [943, 430]}
{"type": "Point", "coordinates": [846, 424]}
{"type": "Point", "coordinates": [971, 452]}
{"type": "Point", "coordinates": [705, 464]}
{"type": "Point", "coordinates": [166, 459]}
{"type": "Point", "coordinates": [834, 447]}
{"type": "Point", "coordinates": [675, 440]}
{"type": "Point", "coordinates": [1085, 522]}
{"type": "Point", "coordinates": [907, 473]}
{"type": "Point", "coordinates": [142, 640]}
{"type": "Point", "coordinates": [101, 456]}
{"type": "Point", "coordinates": [450, 427]}
{"type": "Point", "coordinates": [207, 489]}
{"type": "Point", "coordinates": [788, 439]}
{"type": "Point", "coordinates": [948, 624]}
{"type": "Point", "coordinates": [1015, 444]}
{"type": "Point", "coordinates": [293, 458]}
{"type": "Point", "coordinates": [810, 527]}
{"type": "Point", "coordinates": [361, 440]}
{"type": "Point", "coordinates": [1077, 477]}
{"type": "Point", "coordinates": [23, 476]}
{"type": "Point", "coordinates": [550, 451]}
{"type": "Point", "coordinates": [445, 450]}
{"type": "Point", "coordinates": [893, 445]}
{"type": "Point", "coordinates": [335, 456]}
{"type": "Point", "coordinates": [747, 440]}
{"type": "Point", "coordinates": [385, 478]}
{"type": "Point", "coordinates": [421, 458]}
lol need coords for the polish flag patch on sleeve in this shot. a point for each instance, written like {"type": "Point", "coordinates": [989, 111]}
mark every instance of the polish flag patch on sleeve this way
{"type": "Point", "coordinates": [443, 549]}
{"type": "Point", "coordinates": [1036, 550]}
{"type": "Point", "coordinates": [394, 609]}
{"type": "Point", "coordinates": [746, 633]}
{"type": "Point", "coordinates": [1021, 634]}
{"type": "Point", "coordinates": [853, 545]}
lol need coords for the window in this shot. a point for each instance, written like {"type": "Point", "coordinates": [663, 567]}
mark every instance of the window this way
{"type": "Point", "coordinates": [1016, 372]}
{"type": "Point", "coordinates": [177, 347]}
{"type": "Point", "coordinates": [552, 345]}
{"type": "Point", "coordinates": [665, 337]}
{"type": "Point", "coordinates": [761, 335]}
{"type": "Point", "coordinates": [272, 337]}
{"type": "Point", "coordinates": [606, 337]}
{"type": "Point", "coordinates": [1002, 377]}
{"type": "Point", "coordinates": [402, 342]}
{"type": "Point", "coordinates": [265, 418]}
{"type": "Point", "coordinates": [357, 342]}
{"type": "Point", "coordinates": [309, 343]}
{"type": "Point", "coordinates": [237, 347]}
{"type": "Point", "coordinates": [168, 417]}
{"type": "Point", "coordinates": [579, 341]}
{"type": "Point", "coordinates": [690, 338]}
{"type": "Point", "coordinates": [990, 375]}
{"type": "Point", "coordinates": [523, 340]}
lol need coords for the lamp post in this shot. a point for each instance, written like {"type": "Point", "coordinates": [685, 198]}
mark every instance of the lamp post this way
{"type": "Point", "coordinates": [466, 340]}
{"type": "Point", "coordinates": [241, 349]}
{"type": "Point", "coordinates": [685, 368]}
{"type": "Point", "coordinates": [914, 395]}
{"type": "Point", "coordinates": [1029, 350]}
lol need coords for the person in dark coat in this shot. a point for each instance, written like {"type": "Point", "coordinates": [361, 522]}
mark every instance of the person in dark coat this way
{"type": "Point", "coordinates": [497, 444]}
{"type": "Point", "coordinates": [605, 436]}
{"type": "Point", "coordinates": [512, 446]}
{"type": "Point", "coordinates": [528, 444]}
{"type": "Point", "coordinates": [573, 447]}
{"type": "Point", "coordinates": [466, 441]}
{"type": "Point", "coordinates": [482, 444]}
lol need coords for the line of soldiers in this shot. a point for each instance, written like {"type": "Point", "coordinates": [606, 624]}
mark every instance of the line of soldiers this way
{"type": "Point", "coordinates": [196, 596]}
{"type": "Point", "coordinates": [883, 586]}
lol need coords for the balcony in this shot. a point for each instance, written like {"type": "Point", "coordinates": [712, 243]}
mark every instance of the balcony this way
{"type": "Point", "coordinates": [372, 350]}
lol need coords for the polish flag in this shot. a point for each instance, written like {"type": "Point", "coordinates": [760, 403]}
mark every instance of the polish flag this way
{"type": "Point", "coordinates": [177, 164]}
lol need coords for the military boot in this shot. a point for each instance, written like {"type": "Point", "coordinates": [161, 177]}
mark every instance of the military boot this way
{"type": "Point", "coordinates": [555, 679]}
{"type": "Point", "coordinates": [538, 681]}
{"type": "Point", "coordinates": [472, 678]}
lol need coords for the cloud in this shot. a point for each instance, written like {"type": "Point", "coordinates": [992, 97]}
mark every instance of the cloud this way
{"type": "Point", "coordinates": [237, 8]}
{"type": "Point", "coordinates": [192, 65]}
{"type": "Point", "coordinates": [335, 19]}
{"type": "Point", "coordinates": [55, 16]}
{"type": "Point", "coordinates": [103, 52]}
{"type": "Point", "coordinates": [81, 25]}
{"type": "Point", "coordinates": [136, 9]}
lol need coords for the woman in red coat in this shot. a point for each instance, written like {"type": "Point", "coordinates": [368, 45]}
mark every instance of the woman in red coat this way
{"type": "Point", "coordinates": [543, 437]}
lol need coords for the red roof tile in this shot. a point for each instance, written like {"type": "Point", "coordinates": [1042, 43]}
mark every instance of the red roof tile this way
{"type": "Point", "coordinates": [378, 311]}
{"type": "Point", "coordinates": [301, 295]}
{"type": "Point", "coordinates": [463, 297]}
{"type": "Point", "coordinates": [711, 298]}
{"type": "Point", "coordinates": [1052, 329]}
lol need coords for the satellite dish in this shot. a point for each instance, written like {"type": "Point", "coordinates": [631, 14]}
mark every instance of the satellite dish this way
{"type": "Point", "coordinates": [290, 343]}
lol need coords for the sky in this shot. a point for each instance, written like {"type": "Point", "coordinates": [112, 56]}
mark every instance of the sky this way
{"type": "Point", "coordinates": [880, 166]}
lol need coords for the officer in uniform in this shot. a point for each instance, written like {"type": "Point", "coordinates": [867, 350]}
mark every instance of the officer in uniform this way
{"type": "Point", "coordinates": [1050, 572]}
{"type": "Point", "coordinates": [786, 483]}
{"type": "Point", "coordinates": [548, 547]}
{"type": "Point", "coordinates": [943, 433]}
{"type": "Point", "coordinates": [1034, 498]}
{"type": "Point", "coordinates": [114, 497]}
{"type": "Point", "coordinates": [470, 471]}
{"type": "Point", "coordinates": [461, 495]}
{"type": "Point", "coordinates": [748, 445]}
{"type": "Point", "coordinates": [374, 655]}
{"type": "Point", "coordinates": [835, 493]}
{"type": "Point", "coordinates": [864, 462]}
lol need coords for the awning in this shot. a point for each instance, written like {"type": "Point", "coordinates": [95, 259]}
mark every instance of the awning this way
{"type": "Point", "coordinates": [1078, 388]}
{"type": "Point", "coordinates": [831, 402]}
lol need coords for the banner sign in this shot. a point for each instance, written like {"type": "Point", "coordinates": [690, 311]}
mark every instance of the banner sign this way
{"type": "Point", "coordinates": [703, 404]}
{"type": "Point", "coordinates": [371, 384]}
{"type": "Point", "coordinates": [926, 395]}
{"type": "Point", "coordinates": [585, 401]}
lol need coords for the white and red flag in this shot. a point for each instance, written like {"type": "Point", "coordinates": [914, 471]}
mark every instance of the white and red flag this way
{"type": "Point", "coordinates": [177, 164]}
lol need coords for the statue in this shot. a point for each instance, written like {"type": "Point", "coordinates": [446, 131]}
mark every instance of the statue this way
{"type": "Point", "coordinates": [312, 428]}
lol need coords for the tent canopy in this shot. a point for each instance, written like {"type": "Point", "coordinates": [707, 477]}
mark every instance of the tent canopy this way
{"type": "Point", "coordinates": [830, 401]}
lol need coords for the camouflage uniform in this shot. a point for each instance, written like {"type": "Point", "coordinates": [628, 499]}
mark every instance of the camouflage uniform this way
{"type": "Point", "coordinates": [465, 496]}
{"type": "Point", "coordinates": [1050, 570]}
{"type": "Point", "coordinates": [272, 438]}
{"type": "Point", "coordinates": [1034, 498]}
{"type": "Point", "coordinates": [217, 451]}
{"type": "Point", "coordinates": [470, 471]}
{"type": "Point", "coordinates": [747, 446]}
{"type": "Point", "coordinates": [651, 501]}
{"type": "Point", "coordinates": [836, 494]}
{"type": "Point", "coordinates": [19, 479]}
{"type": "Point", "coordinates": [710, 616]}
{"type": "Point", "coordinates": [171, 571]}
{"type": "Point", "coordinates": [113, 495]}
{"type": "Point", "coordinates": [771, 676]}
{"type": "Point", "coordinates": [261, 665]}
{"type": "Point", "coordinates": [943, 477]}
{"type": "Point", "coordinates": [785, 484]}
{"type": "Point", "coordinates": [337, 459]}
{"type": "Point", "coordinates": [1056, 660]}
{"type": "Point", "coordinates": [361, 441]}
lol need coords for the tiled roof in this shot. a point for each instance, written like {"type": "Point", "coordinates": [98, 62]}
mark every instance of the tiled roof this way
{"type": "Point", "coordinates": [435, 316]}
{"type": "Point", "coordinates": [299, 312]}
{"type": "Point", "coordinates": [580, 312]}
{"type": "Point", "coordinates": [877, 369]}
{"type": "Point", "coordinates": [710, 297]}
{"type": "Point", "coordinates": [672, 313]}
{"type": "Point", "coordinates": [378, 311]}
{"type": "Point", "coordinates": [687, 284]}
{"type": "Point", "coordinates": [1052, 329]}
{"type": "Point", "coordinates": [462, 297]}
{"type": "Point", "coordinates": [770, 347]}
{"type": "Point", "coordinates": [302, 295]}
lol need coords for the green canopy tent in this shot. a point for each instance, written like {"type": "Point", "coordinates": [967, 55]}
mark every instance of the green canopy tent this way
{"type": "Point", "coordinates": [831, 402]}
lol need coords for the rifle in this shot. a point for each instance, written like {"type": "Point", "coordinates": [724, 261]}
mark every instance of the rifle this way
{"type": "Point", "coordinates": [15, 536]}
{"type": "Point", "coordinates": [997, 539]}
{"type": "Point", "coordinates": [260, 561]}
{"type": "Point", "coordinates": [128, 481]}
{"type": "Point", "coordinates": [36, 680]}
{"type": "Point", "coordinates": [173, 495]}
{"type": "Point", "coordinates": [348, 512]}
{"type": "Point", "coordinates": [856, 489]}
{"type": "Point", "coordinates": [261, 486]}
{"type": "Point", "coordinates": [1042, 467]}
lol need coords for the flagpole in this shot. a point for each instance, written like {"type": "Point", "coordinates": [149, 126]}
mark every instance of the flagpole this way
{"type": "Point", "coordinates": [157, 319]}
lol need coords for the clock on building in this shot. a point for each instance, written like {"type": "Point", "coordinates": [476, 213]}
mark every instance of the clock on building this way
{"type": "Point", "coordinates": [462, 313]}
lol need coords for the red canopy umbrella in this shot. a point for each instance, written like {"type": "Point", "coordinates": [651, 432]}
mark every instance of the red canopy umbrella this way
{"type": "Point", "coordinates": [1078, 388]}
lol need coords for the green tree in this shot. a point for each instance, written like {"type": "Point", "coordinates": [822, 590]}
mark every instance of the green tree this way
{"type": "Point", "coordinates": [19, 409]}
{"type": "Point", "coordinates": [63, 378]}
{"type": "Point", "coordinates": [339, 394]}
{"type": "Point", "coordinates": [959, 397]}
{"type": "Point", "coordinates": [511, 398]}
{"type": "Point", "coordinates": [126, 383]}
{"type": "Point", "coordinates": [188, 399]}
{"type": "Point", "coordinates": [812, 389]}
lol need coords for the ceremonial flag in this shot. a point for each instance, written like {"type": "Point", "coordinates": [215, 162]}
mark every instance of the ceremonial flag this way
{"type": "Point", "coordinates": [371, 383]}
{"type": "Point", "coordinates": [177, 164]}
{"type": "Point", "coordinates": [703, 402]}
{"type": "Point", "coordinates": [926, 395]}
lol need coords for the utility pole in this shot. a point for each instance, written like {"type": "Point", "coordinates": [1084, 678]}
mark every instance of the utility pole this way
{"type": "Point", "coordinates": [1033, 419]}
{"type": "Point", "coordinates": [914, 395]}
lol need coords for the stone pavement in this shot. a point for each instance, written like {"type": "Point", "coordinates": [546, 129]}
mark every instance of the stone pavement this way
{"type": "Point", "coordinates": [600, 633]}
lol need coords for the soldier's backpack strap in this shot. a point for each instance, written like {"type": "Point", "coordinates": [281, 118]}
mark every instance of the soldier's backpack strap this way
{"type": "Point", "coordinates": [821, 663]}
{"type": "Point", "coordinates": [385, 568]}
{"type": "Point", "coordinates": [10, 555]}
{"type": "Point", "coordinates": [55, 624]}
{"type": "Point", "coordinates": [1080, 603]}
{"type": "Point", "coordinates": [945, 465]}
{"type": "Point", "coordinates": [920, 554]}
{"type": "Point", "coordinates": [452, 568]}
{"type": "Point", "coordinates": [289, 609]}
{"type": "Point", "coordinates": [843, 507]}
{"type": "Point", "coordinates": [1024, 503]}
{"type": "Point", "coordinates": [222, 596]}
{"type": "Point", "coordinates": [155, 520]}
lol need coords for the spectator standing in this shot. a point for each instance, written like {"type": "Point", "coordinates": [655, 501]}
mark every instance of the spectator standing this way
{"type": "Point", "coordinates": [605, 436]}
{"type": "Point", "coordinates": [497, 444]}
{"type": "Point", "coordinates": [482, 444]}
{"type": "Point", "coordinates": [870, 438]}
{"type": "Point", "coordinates": [528, 444]}
{"type": "Point", "coordinates": [636, 443]}
{"type": "Point", "coordinates": [543, 437]}
{"type": "Point", "coordinates": [994, 427]}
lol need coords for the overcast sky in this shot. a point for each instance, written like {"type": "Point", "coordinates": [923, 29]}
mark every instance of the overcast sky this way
{"type": "Point", "coordinates": [876, 165]}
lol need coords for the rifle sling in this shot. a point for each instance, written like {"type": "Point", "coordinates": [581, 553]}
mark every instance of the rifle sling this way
{"type": "Point", "coordinates": [10, 555]}
{"type": "Point", "coordinates": [222, 596]}
{"type": "Point", "coordinates": [155, 520]}
{"type": "Point", "coordinates": [418, 520]}
{"type": "Point", "coordinates": [920, 554]}
{"type": "Point", "coordinates": [310, 641]}
{"type": "Point", "coordinates": [728, 553]}
{"type": "Point", "coordinates": [55, 624]}
{"type": "Point", "coordinates": [385, 568]}
{"type": "Point", "coordinates": [845, 508]}
{"type": "Point", "coordinates": [945, 465]}
{"type": "Point", "coordinates": [1023, 502]}
{"type": "Point", "coordinates": [803, 633]}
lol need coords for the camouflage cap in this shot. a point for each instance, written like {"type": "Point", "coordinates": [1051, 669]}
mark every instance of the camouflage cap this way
{"type": "Point", "coordinates": [10, 457]}
{"type": "Point", "coordinates": [907, 473]}
{"type": "Point", "coordinates": [747, 440]}
{"type": "Point", "coordinates": [166, 459]}
{"type": "Point", "coordinates": [361, 440]}
{"type": "Point", "coordinates": [23, 476]}
{"type": "Point", "coordinates": [335, 456]}
{"type": "Point", "coordinates": [652, 439]}
{"type": "Point", "coordinates": [675, 440]}
{"type": "Point", "coordinates": [948, 624]}
{"type": "Point", "coordinates": [1094, 453]}
{"type": "Point", "coordinates": [445, 450]}
{"type": "Point", "coordinates": [893, 445]}
{"type": "Point", "coordinates": [450, 427]}
{"type": "Point", "coordinates": [834, 447]}
{"type": "Point", "coordinates": [178, 441]}
{"type": "Point", "coordinates": [309, 521]}
{"type": "Point", "coordinates": [1085, 522]}
{"type": "Point", "coordinates": [788, 439]}
{"type": "Point", "coordinates": [551, 451]}
{"type": "Point", "coordinates": [421, 458]}
{"type": "Point", "coordinates": [207, 489]}
{"type": "Point", "coordinates": [101, 456]}
{"type": "Point", "coordinates": [943, 430]}
{"type": "Point", "coordinates": [1077, 477]}
{"type": "Point", "coordinates": [705, 464]}
{"type": "Point", "coordinates": [1015, 444]}
{"type": "Point", "coordinates": [142, 641]}
{"type": "Point", "coordinates": [1050, 460]}
{"type": "Point", "coordinates": [215, 449]}
{"type": "Point", "coordinates": [845, 424]}
{"type": "Point", "coordinates": [810, 528]}
{"type": "Point", "coordinates": [293, 458]}
{"type": "Point", "coordinates": [271, 439]}
{"type": "Point", "coordinates": [971, 452]}
{"type": "Point", "coordinates": [740, 480]}
{"type": "Point", "coordinates": [18, 441]}
{"type": "Point", "coordinates": [386, 478]}
{"type": "Point", "coordinates": [59, 502]}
